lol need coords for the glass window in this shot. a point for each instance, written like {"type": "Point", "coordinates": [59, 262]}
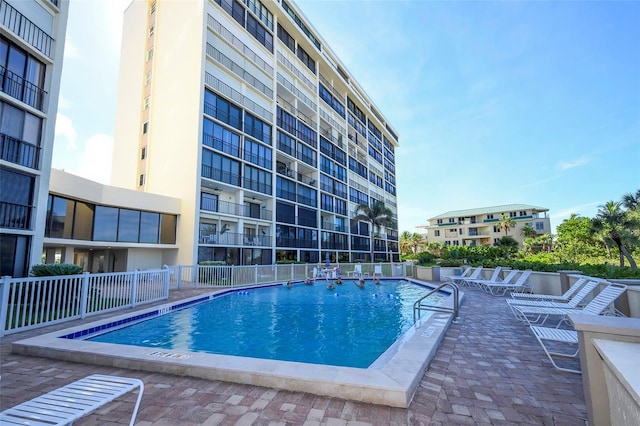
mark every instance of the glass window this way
{"type": "Point", "coordinates": [61, 218]}
{"type": "Point", "coordinates": [32, 126]}
{"type": "Point", "coordinates": [83, 221]}
{"type": "Point", "coordinates": [105, 224]}
{"type": "Point", "coordinates": [149, 227]}
{"type": "Point", "coordinates": [168, 229]}
{"type": "Point", "coordinates": [129, 226]}
{"type": "Point", "coordinates": [285, 212]}
{"type": "Point", "coordinates": [307, 217]}
{"type": "Point", "coordinates": [209, 202]}
{"type": "Point", "coordinates": [12, 121]}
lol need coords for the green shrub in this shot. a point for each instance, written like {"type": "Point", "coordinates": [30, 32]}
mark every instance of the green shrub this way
{"type": "Point", "coordinates": [50, 269]}
{"type": "Point", "coordinates": [425, 257]}
{"type": "Point", "coordinates": [450, 262]}
{"type": "Point", "coordinates": [213, 263]}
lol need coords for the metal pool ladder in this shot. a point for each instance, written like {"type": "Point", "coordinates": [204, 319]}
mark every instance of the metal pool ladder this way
{"type": "Point", "coordinates": [418, 306]}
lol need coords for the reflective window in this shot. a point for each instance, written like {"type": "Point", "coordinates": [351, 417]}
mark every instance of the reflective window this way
{"type": "Point", "coordinates": [105, 224]}
{"type": "Point", "coordinates": [129, 226]}
{"type": "Point", "coordinates": [149, 227]}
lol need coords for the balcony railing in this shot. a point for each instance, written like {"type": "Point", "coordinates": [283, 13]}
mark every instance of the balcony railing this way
{"type": "Point", "coordinates": [295, 242]}
{"type": "Point", "coordinates": [17, 87]}
{"type": "Point", "coordinates": [226, 207]}
{"type": "Point", "coordinates": [235, 239]}
{"type": "Point", "coordinates": [220, 175]}
{"type": "Point", "coordinates": [26, 29]}
{"type": "Point", "coordinates": [330, 245]}
{"type": "Point", "coordinates": [19, 152]}
{"type": "Point", "coordinates": [15, 216]}
{"type": "Point", "coordinates": [333, 227]}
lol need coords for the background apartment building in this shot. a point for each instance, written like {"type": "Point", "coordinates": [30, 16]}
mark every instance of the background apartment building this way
{"type": "Point", "coordinates": [473, 227]}
{"type": "Point", "coordinates": [239, 109]}
{"type": "Point", "coordinates": [32, 41]}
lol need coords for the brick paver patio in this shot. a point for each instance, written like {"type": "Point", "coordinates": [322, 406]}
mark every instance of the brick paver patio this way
{"type": "Point", "coordinates": [489, 370]}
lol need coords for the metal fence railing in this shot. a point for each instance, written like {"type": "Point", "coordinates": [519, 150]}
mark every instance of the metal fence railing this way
{"type": "Point", "coordinates": [200, 276]}
{"type": "Point", "coordinates": [28, 303]}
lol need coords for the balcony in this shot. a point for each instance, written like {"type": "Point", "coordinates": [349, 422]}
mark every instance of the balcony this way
{"type": "Point", "coordinates": [17, 87]}
{"type": "Point", "coordinates": [19, 152]}
{"type": "Point", "coordinates": [283, 242]}
{"type": "Point", "coordinates": [220, 175]}
{"type": "Point", "coordinates": [235, 239]}
{"type": "Point", "coordinates": [225, 207]}
{"type": "Point", "coordinates": [15, 216]}
{"type": "Point", "coordinates": [333, 227]}
{"type": "Point", "coordinates": [26, 29]}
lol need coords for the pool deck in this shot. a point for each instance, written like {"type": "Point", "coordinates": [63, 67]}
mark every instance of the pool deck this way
{"type": "Point", "coordinates": [489, 370]}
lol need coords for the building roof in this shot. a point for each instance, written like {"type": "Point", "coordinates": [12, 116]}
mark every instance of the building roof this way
{"type": "Point", "coordinates": [489, 210]}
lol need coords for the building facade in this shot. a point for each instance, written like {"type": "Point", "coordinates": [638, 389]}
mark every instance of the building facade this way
{"type": "Point", "coordinates": [108, 229]}
{"type": "Point", "coordinates": [32, 41]}
{"type": "Point", "coordinates": [240, 109]}
{"type": "Point", "coordinates": [480, 226]}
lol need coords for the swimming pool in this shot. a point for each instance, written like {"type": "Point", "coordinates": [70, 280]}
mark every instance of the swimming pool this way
{"type": "Point", "coordinates": [391, 379]}
{"type": "Point", "coordinates": [347, 326]}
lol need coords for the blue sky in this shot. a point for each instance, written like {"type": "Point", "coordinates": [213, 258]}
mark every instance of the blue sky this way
{"type": "Point", "coordinates": [495, 102]}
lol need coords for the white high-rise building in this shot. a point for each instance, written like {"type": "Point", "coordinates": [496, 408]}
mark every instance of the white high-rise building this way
{"type": "Point", "coordinates": [240, 109]}
{"type": "Point", "coordinates": [32, 37]}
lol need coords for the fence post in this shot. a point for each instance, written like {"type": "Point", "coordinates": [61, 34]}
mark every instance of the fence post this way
{"type": "Point", "coordinates": [4, 303]}
{"type": "Point", "coordinates": [256, 274]}
{"type": "Point", "coordinates": [134, 288]}
{"type": "Point", "coordinates": [166, 280]}
{"type": "Point", "coordinates": [84, 295]}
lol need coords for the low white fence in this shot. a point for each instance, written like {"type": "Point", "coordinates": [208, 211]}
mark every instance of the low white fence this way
{"type": "Point", "coordinates": [28, 303]}
{"type": "Point", "coordinates": [199, 276]}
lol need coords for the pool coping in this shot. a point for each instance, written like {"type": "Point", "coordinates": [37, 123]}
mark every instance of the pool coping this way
{"type": "Point", "coordinates": [391, 380]}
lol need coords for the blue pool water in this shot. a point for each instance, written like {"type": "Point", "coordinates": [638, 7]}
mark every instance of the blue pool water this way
{"type": "Point", "coordinates": [347, 326]}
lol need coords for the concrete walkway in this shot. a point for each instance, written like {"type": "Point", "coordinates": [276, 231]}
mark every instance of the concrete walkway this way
{"type": "Point", "coordinates": [490, 370]}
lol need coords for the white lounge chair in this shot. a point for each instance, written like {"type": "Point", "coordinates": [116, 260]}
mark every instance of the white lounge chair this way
{"type": "Point", "coordinates": [537, 315]}
{"type": "Point", "coordinates": [465, 273]}
{"type": "Point", "coordinates": [570, 337]}
{"type": "Point", "coordinates": [495, 276]}
{"type": "Point", "coordinates": [575, 302]}
{"type": "Point", "coordinates": [506, 280]}
{"type": "Point", "coordinates": [565, 297]}
{"type": "Point", "coordinates": [357, 271]}
{"type": "Point", "coordinates": [377, 271]}
{"type": "Point", "coordinates": [461, 280]}
{"type": "Point", "coordinates": [66, 404]}
{"type": "Point", "coordinates": [501, 287]}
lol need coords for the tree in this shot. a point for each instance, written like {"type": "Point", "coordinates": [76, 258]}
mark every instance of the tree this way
{"type": "Point", "coordinates": [417, 240]}
{"type": "Point", "coordinates": [506, 223]}
{"type": "Point", "coordinates": [613, 219]}
{"type": "Point", "coordinates": [508, 244]}
{"type": "Point", "coordinates": [528, 232]}
{"type": "Point", "coordinates": [378, 216]}
{"type": "Point", "coordinates": [405, 242]}
{"type": "Point", "coordinates": [631, 201]}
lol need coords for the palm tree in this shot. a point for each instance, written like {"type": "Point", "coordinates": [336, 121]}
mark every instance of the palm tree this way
{"type": "Point", "coordinates": [613, 219]}
{"type": "Point", "coordinates": [508, 244]}
{"type": "Point", "coordinates": [631, 201]}
{"type": "Point", "coordinates": [405, 242]}
{"type": "Point", "coordinates": [378, 215]}
{"type": "Point", "coordinates": [506, 223]}
{"type": "Point", "coordinates": [417, 240]}
{"type": "Point", "coordinates": [528, 232]}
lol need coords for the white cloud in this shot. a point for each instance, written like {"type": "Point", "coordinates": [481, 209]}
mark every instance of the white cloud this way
{"type": "Point", "coordinates": [65, 130]}
{"type": "Point", "coordinates": [95, 161]}
{"type": "Point", "coordinates": [70, 49]}
{"type": "Point", "coordinates": [580, 210]}
{"type": "Point", "coordinates": [566, 165]}
{"type": "Point", "coordinates": [63, 103]}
